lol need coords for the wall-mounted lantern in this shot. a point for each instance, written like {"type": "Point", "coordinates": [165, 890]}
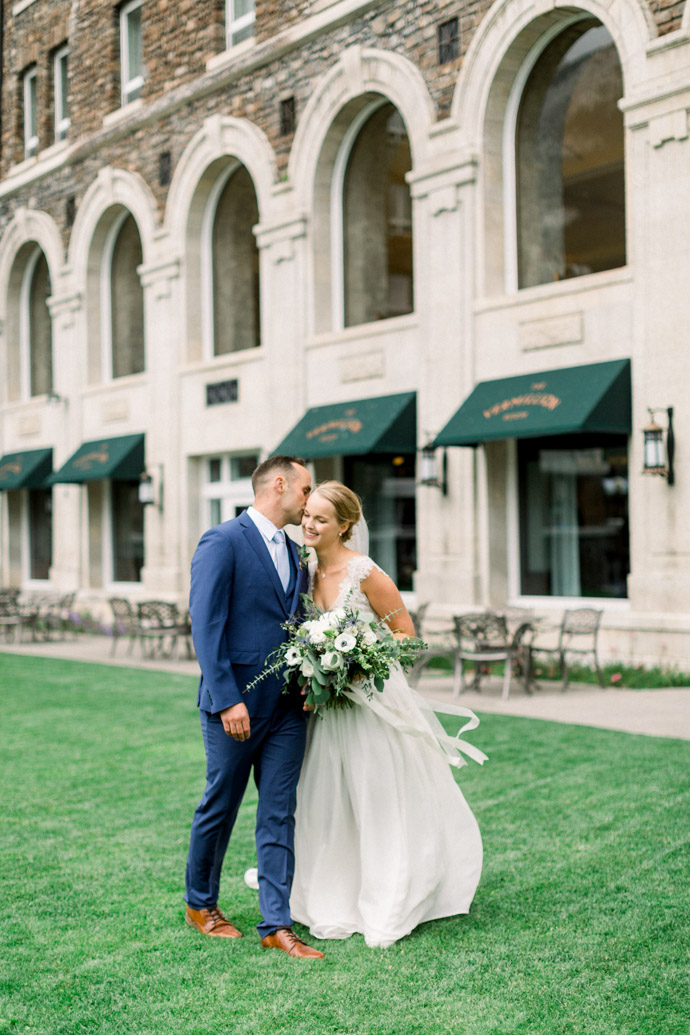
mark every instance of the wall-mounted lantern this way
{"type": "Point", "coordinates": [429, 469]}
{"type": "Point", "coordinates": [658, 454]}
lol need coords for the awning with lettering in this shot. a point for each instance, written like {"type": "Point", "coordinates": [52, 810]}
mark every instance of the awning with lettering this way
{"type": "Point", "coordinates": [384, 424]}
{"type": "Point", "coordinates": [591, 398]}
{"type": "Point", "coordinates": [26, 470]}
{"type": "Point", "coordinates": [121, 459]}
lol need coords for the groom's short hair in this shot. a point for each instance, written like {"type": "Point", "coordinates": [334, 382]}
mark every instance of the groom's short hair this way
{"type": "Point", "coordinates": [273, 466]}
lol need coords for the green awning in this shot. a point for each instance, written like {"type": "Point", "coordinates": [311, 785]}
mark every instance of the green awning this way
{"type": "Point", "coordinates": [384, 424]}
{"type": "Point", "coordinates": [27, 470]}
{"type": "Point", "coordinates": [592, 398]}
{"type": "Point", "coordinates": [121, 459]}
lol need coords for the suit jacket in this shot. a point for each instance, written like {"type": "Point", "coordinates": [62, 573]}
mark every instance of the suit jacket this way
{"type": "Point", "coordinates": [237, 604]}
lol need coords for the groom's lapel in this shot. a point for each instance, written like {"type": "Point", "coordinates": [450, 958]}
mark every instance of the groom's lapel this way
{"type": "Point", "coordinates": [256, 541]}
{"type": "Point", "coordinates": [299, 579]}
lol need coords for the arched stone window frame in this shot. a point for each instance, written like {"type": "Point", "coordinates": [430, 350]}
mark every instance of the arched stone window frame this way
{"type": "Point", "coordinates": [28, 230]}
{"type": "Point", "coordinates": [510, 32]}
{"type": "Point", "coordinates": [339, 97]}
{"type": "Point", "coordinates": [112, 192]}
{"type": "Point", "coordinates": [223, 144]}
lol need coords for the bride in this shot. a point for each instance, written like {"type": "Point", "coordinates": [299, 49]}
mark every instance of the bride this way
{"type": "Point", "coordinates": [384, 838]}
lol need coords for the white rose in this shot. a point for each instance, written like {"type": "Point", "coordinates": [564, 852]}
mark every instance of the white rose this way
{"type": "Point", "coordinates": [331, 660]}
{"type": "Point", "coordinates": [317, 636]}
{"type": "Point", "coordinates": [369, 637]}
{"type": "Point", "coordinates": [332, 619]}
{"type": "Point", "coordinates": [307, 669]}
{"type": "Point", "coordinates": [292, 656]}
{"type": "Point", "coordinates": [345, 642]}
{"type": "Point", "coordinates": [308, 627]}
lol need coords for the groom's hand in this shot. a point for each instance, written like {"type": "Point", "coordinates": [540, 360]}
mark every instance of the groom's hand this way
{"type": "Point", "coordinates": [236, 721]}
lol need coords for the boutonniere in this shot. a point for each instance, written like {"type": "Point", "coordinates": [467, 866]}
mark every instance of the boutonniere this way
{"type": "Point", "coordinates": [303, 552]}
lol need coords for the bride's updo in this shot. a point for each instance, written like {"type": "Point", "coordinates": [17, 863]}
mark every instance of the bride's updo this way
{"type": "Point", "coordinates": [346, 503]}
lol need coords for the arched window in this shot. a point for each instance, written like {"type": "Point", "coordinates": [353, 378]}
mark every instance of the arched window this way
{"type": "Point", "coordinates": [35, 327]}
{"type": "Point", "coordinates": [231, 316]}
{"type": "Point", "coordinates": [569, 159]}
{"type": "Point", "coordinates": [126, 299]}
{"type": "Point", "coordinates": [376, 220]}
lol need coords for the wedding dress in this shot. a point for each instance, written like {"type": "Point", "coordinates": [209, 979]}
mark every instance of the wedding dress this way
{"type": "Point", "coordinates": [384, 839]}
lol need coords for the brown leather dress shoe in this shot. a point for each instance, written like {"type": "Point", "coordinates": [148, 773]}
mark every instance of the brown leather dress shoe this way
{"type": "Point", "coordinates": [286, 939]}
{"type": "Point", "coordinates": [211, 922]}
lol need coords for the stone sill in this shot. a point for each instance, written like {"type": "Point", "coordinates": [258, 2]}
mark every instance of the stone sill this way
{"type": "Point", "coordinates": [557, 290]}
{"type": "Point", "coordinates": [364, 331]}
{"type": "Point", "coordinates": [114, 118]}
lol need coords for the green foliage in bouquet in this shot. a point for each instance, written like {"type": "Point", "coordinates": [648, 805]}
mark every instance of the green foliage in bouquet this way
{"type": "Point", "coordinates": [327, 651]}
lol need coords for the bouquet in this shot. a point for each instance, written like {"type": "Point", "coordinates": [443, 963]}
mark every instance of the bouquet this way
{"type": "Point", "coordinates": [329, 650]}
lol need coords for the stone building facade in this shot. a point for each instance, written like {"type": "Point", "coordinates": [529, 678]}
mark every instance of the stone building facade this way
{"type": "Point", "coordinates": [218, 218]}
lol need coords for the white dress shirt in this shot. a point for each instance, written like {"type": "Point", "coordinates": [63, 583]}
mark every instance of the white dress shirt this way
{"type": "Point", "coordinates": [278, 551]}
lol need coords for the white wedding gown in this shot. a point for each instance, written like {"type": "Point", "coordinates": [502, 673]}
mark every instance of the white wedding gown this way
{"type": "Point", "coordinates": [384, 838]}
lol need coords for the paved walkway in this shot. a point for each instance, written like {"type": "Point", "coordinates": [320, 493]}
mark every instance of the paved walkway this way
{"type": "Point", "coordinates": [657, 713]}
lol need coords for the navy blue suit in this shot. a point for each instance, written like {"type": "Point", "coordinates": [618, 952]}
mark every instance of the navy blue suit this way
{"type": "Point", "coordinates": [237, 605]}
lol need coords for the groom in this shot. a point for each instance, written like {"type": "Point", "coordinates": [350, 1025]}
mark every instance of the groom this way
{"type": "Point", "coordinates": [246, 581]}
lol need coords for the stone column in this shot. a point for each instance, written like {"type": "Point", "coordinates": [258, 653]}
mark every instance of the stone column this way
{"type": "Point", "coordinates": [63, 416]}
{"type": "Point", "coordinates": [445, 256]}
{"type": "Point", "coordinates": [659, 207]}
{"type": "Point", "coordinates": [165, 567]}
{"type": "Point", "coordinates": [283, 258]}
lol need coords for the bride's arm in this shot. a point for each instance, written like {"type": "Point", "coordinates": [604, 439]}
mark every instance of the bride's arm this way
{"type": "Point", "coordinates": [385, 599]}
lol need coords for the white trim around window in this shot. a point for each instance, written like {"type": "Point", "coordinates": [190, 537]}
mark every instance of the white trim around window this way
{"type": "Point", "coordinates": [131, 62]}
{"type": "Point", "coordinates": [238, 25]}
{"type": "Point", "coordinates": [106, 297]}
{"type": "Point", "coordinates": [337, 228]}
{"type": "Point", "coordinates": [25, 324]}
{"type": "Point", "coordinates": [29, 83]}
{"type": "Point", "coordinates": [60, 100]}
{"type": "Point", "coordinates": [208, 337]}
{"type": "Point", "coordinates": [510, 184]}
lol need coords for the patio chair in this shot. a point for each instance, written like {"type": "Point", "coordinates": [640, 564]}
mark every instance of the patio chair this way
{"type": "Point", "coordinates": [484, 639]}
{"type": "Point", "coordinates": [577, 634]}
{"type": "Point", "coordinates": [440, 635]}
{"type": "Point", "coordinates": [160, 620]}
{"type": "Point", "coordinates": [125, 622]}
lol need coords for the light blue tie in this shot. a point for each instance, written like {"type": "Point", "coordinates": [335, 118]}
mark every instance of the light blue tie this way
{"type": "Point", "coordinates": [282, 561]}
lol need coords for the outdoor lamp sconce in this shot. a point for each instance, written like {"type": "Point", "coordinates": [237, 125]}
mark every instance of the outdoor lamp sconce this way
{"type": "Point", "coordinates": [149, 491]}
{"type": "Point", "coordinates": [429, 472]}
{"type": "Point", "coordinates": [658, 455]}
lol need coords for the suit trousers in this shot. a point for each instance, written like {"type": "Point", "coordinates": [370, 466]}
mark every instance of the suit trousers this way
{"type": "Point", "coordinates": [275, 749]}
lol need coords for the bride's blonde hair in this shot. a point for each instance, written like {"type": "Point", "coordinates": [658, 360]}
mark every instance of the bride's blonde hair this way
{"type": "Point", "coordinates": [346, 503]}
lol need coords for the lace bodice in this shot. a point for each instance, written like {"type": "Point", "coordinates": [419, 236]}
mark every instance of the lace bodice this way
{"type": "Point", "coordinates": [349, 591]}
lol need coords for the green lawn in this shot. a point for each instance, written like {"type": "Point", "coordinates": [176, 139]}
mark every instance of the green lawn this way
{"type": "Point", "coordinates": [578, 925]}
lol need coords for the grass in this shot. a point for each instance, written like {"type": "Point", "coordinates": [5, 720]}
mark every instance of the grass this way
{"type": "Point", "coordinates": [578, 925]}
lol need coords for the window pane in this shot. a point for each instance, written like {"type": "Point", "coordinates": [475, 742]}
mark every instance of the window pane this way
{"type": "Point", "coordinates": [214, 469]}
{"type": "Point", "coordinates": [128, 532]}
{"type": "Point", "coordinates": [134, 43]}
{"type": "Point", "coordinates": [40, 533]}
{"type": "Point", "coordinates": [236, 323]}
{"type": "Point", "coordinates": [214, 512]}
{"type": "Point", "coordinates": [242, 7]}
{"type": "Point", "coordinates": [127, 302]}
{"type": "Point", "coordinates": [570, 170]}
{"type": "Point", "coordinates": [574, 520]}
{"type": "Point", "coordinates": [377, 221]}
{"type": "Point", "coordinates": [63, 110]}
{"type": "Point", "coordinates": [40, 330]}
{"type": "Point", "coordinates": [243, 466]}
{"type": "Point", "coordinates": [387, 488]}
